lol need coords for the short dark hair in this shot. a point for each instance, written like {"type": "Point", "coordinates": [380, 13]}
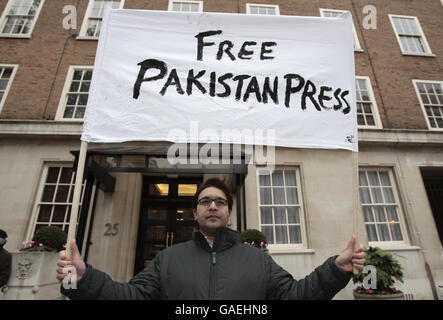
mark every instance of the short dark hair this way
{"type": "Point", "coordinates": [216, 183]}
{"type": "Point", "coordinates": [3, 234]}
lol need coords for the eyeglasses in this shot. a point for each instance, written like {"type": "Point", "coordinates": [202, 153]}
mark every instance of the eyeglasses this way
{"type": "Point", "coordinates": [219, 202]}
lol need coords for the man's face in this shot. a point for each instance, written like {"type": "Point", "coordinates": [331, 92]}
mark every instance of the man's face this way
{"type": "Point", "coordinates": [212, 217]}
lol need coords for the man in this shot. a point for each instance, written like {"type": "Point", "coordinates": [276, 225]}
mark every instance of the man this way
{"type": "Point", "coordinates": [213, 266]}
{"type": "Point", "coordinates": [5, 260]}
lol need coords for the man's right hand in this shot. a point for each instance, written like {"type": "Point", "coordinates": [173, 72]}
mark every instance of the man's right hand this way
{"type": "Point", "coordinates": [65, 264]}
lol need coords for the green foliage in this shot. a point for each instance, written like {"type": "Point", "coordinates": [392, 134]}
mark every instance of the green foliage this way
{"type": "Point", "coordinates": [252, 235]}
{"type": "Point", "coordinates": [46, 239]}
{"type": "Point", "coordinates": [388, 268]}
{"type": "Point", "coordinates": [255, 238]}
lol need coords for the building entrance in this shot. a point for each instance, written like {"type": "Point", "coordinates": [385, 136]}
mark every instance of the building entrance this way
{"type": "Point", "coordinates": [433, 180]}
{"type": "Point", "coordinates": [166, 216]}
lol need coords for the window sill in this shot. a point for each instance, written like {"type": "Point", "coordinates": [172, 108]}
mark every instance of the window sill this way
{"type": "Point", "coordinates": [291, 251]}
{"type": "Point", "coordinates": [16, 36]}
{"type": "Point", "coordinates": [419, 54]}
{"type": "Point", "coordinates": [391, 247]}
{"type": "Point", "coordinates": [358, 50]}
{"type": "Point", "coordinates": [87, 38]}
{"type": "Point", "coordinates": [369, 127]}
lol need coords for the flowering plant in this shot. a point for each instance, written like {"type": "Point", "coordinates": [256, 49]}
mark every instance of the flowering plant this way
{"type": "Point", "coordinates": [46, 239]}
{"type": "Point", "coordinates": [254, 238]}
{"type": "Point", "coordinates": [387, 271]}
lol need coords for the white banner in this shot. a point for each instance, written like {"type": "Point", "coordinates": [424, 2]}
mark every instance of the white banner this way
{"type": "Point", "coordinates": [206, 77]}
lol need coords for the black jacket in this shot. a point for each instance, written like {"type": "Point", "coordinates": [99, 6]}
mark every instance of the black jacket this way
{"type": "Point", "coordinates": [5, 266]}
{"type": "Point", "coordinates": [229, 270]}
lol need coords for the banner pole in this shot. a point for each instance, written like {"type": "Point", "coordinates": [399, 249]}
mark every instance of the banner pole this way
{"type": "Point", "coordinates": [76, 198]}
{"type": "Point", "coordinates": [355, 192]}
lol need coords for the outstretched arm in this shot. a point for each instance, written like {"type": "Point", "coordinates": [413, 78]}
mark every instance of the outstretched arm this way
{"type": "Point", "coordinates": [91, 284]}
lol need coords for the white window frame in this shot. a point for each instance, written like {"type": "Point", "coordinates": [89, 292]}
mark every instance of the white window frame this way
{"type": "Point", "coordinates": [282, 248]}
{"type": "Point", "coordinates": [64, 96]}
{"type": "Point", "coordinates": [375, 113]}
{"type": "Point", "coordinates": [275, 6]}
{"type": "Point", "coordinates": [398, 204]}
{"type": "Point", "coordinates": [84, 27]}
{"type": "Point", "coordinates": [423, 109]}
{"type": "Point", "coordinates": [8, 86]}
{"type": "Point", "coordinates": [5, 14]}
{"type": "Point", "coordinates": [357, 46]}
{"type": "Point", "coordinates": [39, 194]}
{"type": "Point", "coordinates": [171, 4]}
{"type": "Point", "coordinates": [427, 53]}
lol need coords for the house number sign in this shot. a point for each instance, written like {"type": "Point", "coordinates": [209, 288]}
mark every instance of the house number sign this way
{"type": "Point", "coordinates": [111, 229]}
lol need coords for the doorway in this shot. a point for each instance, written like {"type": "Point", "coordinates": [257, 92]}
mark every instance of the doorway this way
{"type": "Point", "coordinates": [166, 216]}
{"type": "Point", "coordinates": [433, 180]}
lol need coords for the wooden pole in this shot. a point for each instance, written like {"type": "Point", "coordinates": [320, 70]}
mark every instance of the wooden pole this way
{"type": "Point", "coordinates": [355, 191]}
{"type": "Point", "coordinates": [76, 198]}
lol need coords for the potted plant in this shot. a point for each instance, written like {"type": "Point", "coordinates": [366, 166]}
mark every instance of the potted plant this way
{"type": "Point", "coordinates": [33, 273]}
{"type": "Point", "coordinates": [387, 270]}
{"type": "Point", "coordinates": [46, 239]}
{"type": "Point", "coordinates": [254, 238]}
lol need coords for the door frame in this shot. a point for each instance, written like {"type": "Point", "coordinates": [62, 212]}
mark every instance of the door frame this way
{"type": "Point", "coordinates": [167, 202]}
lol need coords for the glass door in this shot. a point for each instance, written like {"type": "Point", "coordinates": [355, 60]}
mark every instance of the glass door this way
{"type": "Point", "coordinates": [166, 216]}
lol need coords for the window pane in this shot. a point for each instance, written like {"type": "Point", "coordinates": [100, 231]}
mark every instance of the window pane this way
{"type": "Point", "coordinates": [384, 178]}
{"type": "Point", "coordinates": [280, 215]}
{"type": "Point", "coordinates": [74, 86]}
{"type": "Point", "coordinates": [367, 213]}
{"type": "Point", "coordinates": [268, 234]}
{"type": "Point", "coordinates": [396, 232]}
{"type": "Point", "coordinates": [290, 179]}
{"type": "Point", "coordinates": [265, 196]}
{"type": "Point", "coordinates": [364, 195]}
{"type": "Point", "coordinates": [187, 190]}
{"type": "Point", "coordinates": [373, 178]}
{"type": "Point", "coordinates": [277, 178]}
{"type": "Point", "coordinates": [362, 178]}
{"type": "Point", "coordinates": [3, 84]}
{"type": "Point", "coordinates": [291, 194]}
{"type": "Point", "coordinates": [294, 234]}
{"type": "Point", "coordinates": [52, 176]}
{"type": "Point", "coordinates": [83, 99]}
{"type": "Point", "coordinates": [383, 232]}
{"type": "Point", "coordinates": [62, 194]}
{"type": "Point", "coordinates": [380, 215]}
{"type": "Point", "coordinates": [66, 175]}
{"type": "Point", "coordinates": [376, 195]}
{"type": "Point", "coordinates": [281, 234]}
{"type": "Point", "coordinates": [45, 213]}
{"type": "Point", "coordinates": [392, 213]}
{"type": "Point", "coordinates": [266, 215]}
{"type": "Point", "coordinates": [48, 193]}
{"type": "Point", "coordinates": [59, 213]}
{"type": "Point", "coordinates": [79, 113]}
{"type": "Point", "coordinates": [372, 234]}
{"type": "Point", "coordinates": [279, 195]}
{"type": "Point", "coordinates": [69, 113]}
{"type": "Point", "coordinates": [389, 195]}
{"type": "Point", "coordinates": [264, 180]}
{"type": "Point", "coordinates": [293, 216]}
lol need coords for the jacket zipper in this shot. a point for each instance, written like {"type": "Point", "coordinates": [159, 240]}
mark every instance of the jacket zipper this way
{"type": "Point", "coordinates": [212, 276]}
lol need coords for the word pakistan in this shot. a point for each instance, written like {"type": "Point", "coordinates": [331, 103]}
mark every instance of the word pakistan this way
{"type": "Point", "coordinates": [263, 93]}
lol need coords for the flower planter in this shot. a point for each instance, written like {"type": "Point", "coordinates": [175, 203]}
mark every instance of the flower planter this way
{"type": "Point", "coordinates": [390, 296]}
{"type": "Point", "coordinates": [33, 276]}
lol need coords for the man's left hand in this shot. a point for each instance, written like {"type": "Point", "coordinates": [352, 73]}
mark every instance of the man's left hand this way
{"type": "Point", "coordinates": [348, 259]}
